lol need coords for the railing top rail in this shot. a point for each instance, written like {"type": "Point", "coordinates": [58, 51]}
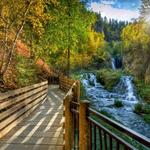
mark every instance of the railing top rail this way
{"type": "Point", "coordinates": [111, 133]}
{"type": "Point", "coordinates": [20, 90]}
{"type": "Point", "coordinates": [138, 137]}
{"type": "Point", "coordinates": [70, 90]}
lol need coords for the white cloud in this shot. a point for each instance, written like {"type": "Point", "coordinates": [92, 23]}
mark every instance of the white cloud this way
{"type": "Point", "coordinates": [108, 2]}
{"type": "Point", "coordinates": [115, 13]}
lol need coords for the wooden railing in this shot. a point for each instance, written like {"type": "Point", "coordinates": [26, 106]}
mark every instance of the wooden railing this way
{"type": "Point", "coordinates": [87, 129]}
{"type": "Point", "coordinates": [65, 83]}
{"type": "Point", "coordinates": [17, 104]}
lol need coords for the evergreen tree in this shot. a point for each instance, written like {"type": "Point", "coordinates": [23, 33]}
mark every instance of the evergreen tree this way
{"type": "Point", "coordinates": [145, 10]}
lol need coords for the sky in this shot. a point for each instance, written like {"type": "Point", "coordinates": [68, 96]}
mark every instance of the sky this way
{"type": "Point", "coordinates": [117, 9]}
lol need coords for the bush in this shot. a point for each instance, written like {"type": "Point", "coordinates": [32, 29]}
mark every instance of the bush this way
{"type": "Point", "coordinates": [109, 78]}
{"type": "Point", "coordinates": [118, 103]}
{"type": "Point", "coordinates": [147, 118]}
{"type": "Point", "coordinates": [142, 108]}
{"type": "Point", "coordinates": [26, 71]}
{"type": "Point", "coordinates": [143, 90]}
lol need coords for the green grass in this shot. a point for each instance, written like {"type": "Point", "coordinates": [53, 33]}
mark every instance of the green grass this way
{"type": "Point", "coordinates": [118, 133]}
{"type": "Point", "coordinates": [106, 114]}
{"type": "Point", "coordinates": [143, 90]}
{"type": "Point", "coordinates": [147, 118]}
{"type": "Point", "coordinates": [109, 78]}
{"type": "Point", "coordinates": [142, 108]}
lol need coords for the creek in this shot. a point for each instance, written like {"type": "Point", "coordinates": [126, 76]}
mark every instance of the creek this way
{"type": "Point", "coordinates": [104, 100]}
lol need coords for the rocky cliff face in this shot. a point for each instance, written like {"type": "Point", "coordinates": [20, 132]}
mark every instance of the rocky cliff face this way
{"type": "Point", "coordinates": [138, 64]}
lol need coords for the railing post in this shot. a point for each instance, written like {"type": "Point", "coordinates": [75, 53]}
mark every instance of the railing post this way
{"type": "Point", "coordinates": [78, 91]}
{"type": "Point", "coordinates": [83, 126]}
{"type": "Point", "coordinates": [68, 125]}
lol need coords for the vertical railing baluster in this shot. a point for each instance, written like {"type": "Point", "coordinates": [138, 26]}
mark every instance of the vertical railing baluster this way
{"type": "Point", "coordinates": [117, 145]}
{"type": "Point", "coordinates": [100, 138]}
{"type": "Point", "coordinates": [105, 140]}
{"type": "Point", "coordinates": [94, 136]}
{"type": "Point", "coordinates": [74, 119]}
{"type": "Point", "coordinates": [90, 136]}
{"type": "Point", "coordinates": [110, 142]}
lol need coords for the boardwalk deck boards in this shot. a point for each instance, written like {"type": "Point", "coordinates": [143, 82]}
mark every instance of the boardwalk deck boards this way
{"type": "Point", "coordinates": [43, 129]}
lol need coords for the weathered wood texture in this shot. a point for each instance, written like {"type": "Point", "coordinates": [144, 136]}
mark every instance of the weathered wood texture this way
{"type": "Point", "coordinates": [71, 96]}
{"type": "Point", "coordinates": [83, 126]}
{"type": "Point", "coordinates": [65, 83]}
{"type": "Point", "coordinates": [18, 104]}
{"type": "Point", "coordinates": [43, 130]}
{"type": "Point", "coordinates": [68, 126]}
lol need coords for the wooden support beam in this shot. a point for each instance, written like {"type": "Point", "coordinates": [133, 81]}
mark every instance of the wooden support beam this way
{"type": "Point", "coordinates": [78, 91]}
{"type": "Point", "coordinates": [68, 123]}
{"type": "Point", "coordinates": [83, 126]}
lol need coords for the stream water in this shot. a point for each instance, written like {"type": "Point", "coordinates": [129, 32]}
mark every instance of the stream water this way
{"type": "Point", "coordinates": [123, 91]}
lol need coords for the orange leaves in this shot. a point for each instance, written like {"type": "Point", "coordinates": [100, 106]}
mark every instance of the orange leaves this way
{"type": "Point", "coordinates": [44, 66]}
{"type": "Point", "coordinates": [22, 49]}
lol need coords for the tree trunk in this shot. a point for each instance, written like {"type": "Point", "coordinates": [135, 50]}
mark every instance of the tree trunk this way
{"type": "Point", "coordinates": [68, 50]}
{"type": "Point", "coordinates": [11, 51]}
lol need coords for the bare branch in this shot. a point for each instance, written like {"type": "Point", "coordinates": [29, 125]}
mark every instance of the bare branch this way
{"type": "Point", "coordinates": [11, 51]}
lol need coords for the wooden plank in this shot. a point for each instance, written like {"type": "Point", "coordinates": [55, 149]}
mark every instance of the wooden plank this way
{"type": "Point", "coordinates": [67, 81]}
{"type": "Point", "coordinates": [21, 90]}
{"type": "Point", "coordinates": [65, 87]}
{"type": "Point", "coordinates": [21, 97]}
{"type": "Point", "coordinates": [18, 120]}
{"type": "Point", "coordinates": [36, 141]}
{"type": "Point", "coordinates": [66, 84]}
{"type": "Point", "coordinates": [13, 117]}
{"type": "Point", "coordinates": [20, 105]}
{"type": "Point", "coordinates": [68, 125]}
{"type": "Point", "coordinates": [83, 126]}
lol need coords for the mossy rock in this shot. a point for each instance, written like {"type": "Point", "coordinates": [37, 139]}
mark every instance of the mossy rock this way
{"type": "Point", "coordinates": [108, 77]}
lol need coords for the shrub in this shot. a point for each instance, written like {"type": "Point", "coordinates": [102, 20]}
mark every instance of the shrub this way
{"type": "Point", "coordinates": [26, 71]}
{"type": "Point", "coordinates": [143, 90]}
{"type": "Point", "coordinates": [147, 118]}
{"type": "Point", "coordinates": [142, 108]}
{"type": "Point", "coordinates": [118, 103]}
{"type": "Point", "coordinates": [138, 108]}
{"type": "Point", "coordinates": [109, 78]}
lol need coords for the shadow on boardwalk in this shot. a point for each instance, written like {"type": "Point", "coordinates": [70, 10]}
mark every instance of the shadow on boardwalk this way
{"type": "Point", "coordinates": [43, 130]}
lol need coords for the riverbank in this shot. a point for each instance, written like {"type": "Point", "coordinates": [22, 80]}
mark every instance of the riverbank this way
{"type": "Point", "coordinates": [104, 100]}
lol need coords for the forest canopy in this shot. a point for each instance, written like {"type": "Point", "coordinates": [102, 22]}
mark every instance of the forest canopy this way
{"type": "Point", "coordinates": [64, 34]}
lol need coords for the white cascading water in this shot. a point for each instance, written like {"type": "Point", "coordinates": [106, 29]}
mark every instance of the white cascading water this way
{"type": "Point", "coordinates": [124, 91]}
{"type": "Point", "coordinates": [113, 66]}
{"type": "Point", "coordinates": [104, 100]}
{"type": "Point", "coordinates": [130, 94]}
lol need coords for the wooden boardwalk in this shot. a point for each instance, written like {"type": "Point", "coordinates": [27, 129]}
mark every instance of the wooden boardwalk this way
{"type": "Point", "coordinates": [42, 130]}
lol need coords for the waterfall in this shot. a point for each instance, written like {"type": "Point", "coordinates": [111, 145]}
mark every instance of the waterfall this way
{"type": "Point", "coordinates": [113, 64]}
{"type": "Point", "coordinates": [130, 95]}
{"type": "Point", "coordinates": [125, 92]}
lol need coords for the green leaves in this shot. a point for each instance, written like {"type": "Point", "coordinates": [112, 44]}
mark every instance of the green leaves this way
{"type": "Point", "coordinates": [135, 35]}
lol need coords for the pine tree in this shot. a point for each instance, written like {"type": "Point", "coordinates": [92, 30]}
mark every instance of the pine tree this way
{"type": "Point", "coordinates": [145, 10]}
